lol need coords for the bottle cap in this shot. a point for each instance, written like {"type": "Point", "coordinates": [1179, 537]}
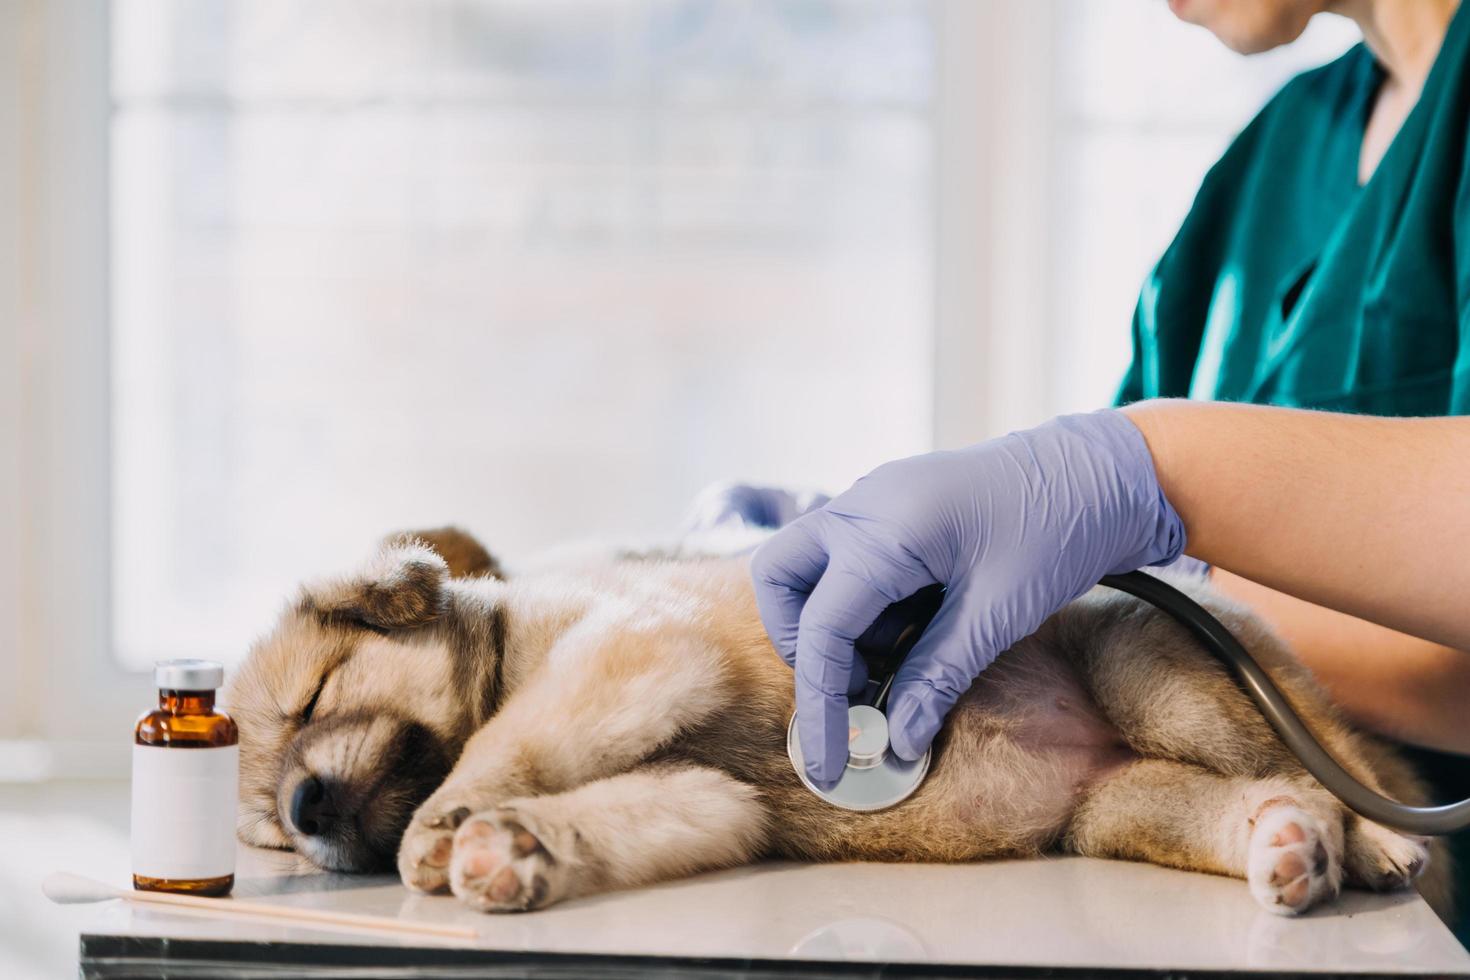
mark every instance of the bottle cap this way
{"type": "Point", "coordinates": [188, 675]}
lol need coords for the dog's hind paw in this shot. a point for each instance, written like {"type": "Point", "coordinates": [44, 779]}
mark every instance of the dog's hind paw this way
{"type": "Point", "coordinates": [1382, 859]}
{"type": "Point", "coordinates": [501, 865]}
{"type": "Point", "coordinates": [1294, 860]}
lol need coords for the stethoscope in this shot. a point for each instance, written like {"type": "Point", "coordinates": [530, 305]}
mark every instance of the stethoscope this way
{"type": "Point", "coordinates": [875, 778]}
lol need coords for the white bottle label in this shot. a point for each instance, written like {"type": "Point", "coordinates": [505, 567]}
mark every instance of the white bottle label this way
{"type": "Point", "coordinates": [184, 803]}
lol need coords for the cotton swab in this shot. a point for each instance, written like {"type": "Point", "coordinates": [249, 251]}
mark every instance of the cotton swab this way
{"type": "Point", "coordinates": [69, 889]}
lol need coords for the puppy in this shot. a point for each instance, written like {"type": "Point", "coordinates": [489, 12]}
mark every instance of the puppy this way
{"type": "Point", "coordinates": [523, 742]}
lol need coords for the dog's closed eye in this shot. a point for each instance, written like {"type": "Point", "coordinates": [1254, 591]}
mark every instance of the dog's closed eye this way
{"type": "Point", "coordinates": [315, 697]}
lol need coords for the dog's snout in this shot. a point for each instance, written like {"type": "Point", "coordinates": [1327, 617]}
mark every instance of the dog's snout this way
{"type": "Point", "coordinates": [312, 809]}
{"type": "Point", "coordinates": [347, 810]}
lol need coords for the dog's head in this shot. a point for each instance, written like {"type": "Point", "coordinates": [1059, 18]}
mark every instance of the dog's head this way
{"type": "Point", "coordinates": [353, 707]}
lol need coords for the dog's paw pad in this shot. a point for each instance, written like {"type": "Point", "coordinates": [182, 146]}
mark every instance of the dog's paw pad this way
{"type": "Point", "coordinates": [1293, 862]}
{"type": "Point", "coordinates": [438, 856]}
{"type": "Point", "coordinates": [427, 846]}
{"type": "Point", "coordinates": [423, 859]}
{"type": "Point", "coordinates": [501, 866]}
{"type": "Point", "coordinates": [1383, 859]}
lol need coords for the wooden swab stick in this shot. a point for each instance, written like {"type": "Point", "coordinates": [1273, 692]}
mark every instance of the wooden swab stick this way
{"type": "Point", "coordinates": [70, 889]}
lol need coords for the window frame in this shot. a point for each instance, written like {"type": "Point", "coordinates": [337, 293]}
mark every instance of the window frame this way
{"type": "Point", "coordinates": [64, 693]}
{"type": "Point", "coordinates": [993, 131]}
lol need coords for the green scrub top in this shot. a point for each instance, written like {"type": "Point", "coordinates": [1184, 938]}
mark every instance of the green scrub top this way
{"type": "Point", "coordinates": [1290, 284]}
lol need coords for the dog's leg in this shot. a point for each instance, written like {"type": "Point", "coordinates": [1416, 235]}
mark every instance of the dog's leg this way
{"type": "Point", "coordinates": [1172, 701]}
{"type": "Point", "coordinates": [651, 824]}
{"type": "Point", "coordinates": [609, 695]}
{"type": "Point", "coordinates": [1284, 836]}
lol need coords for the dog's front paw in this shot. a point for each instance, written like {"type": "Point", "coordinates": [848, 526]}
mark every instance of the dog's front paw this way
{"type": "Point", "coordinates": [423, 855]}
{"type": "Point", "coordinates": [1295, 859]}
{"type": "Point", "coordinates": [500, 864]}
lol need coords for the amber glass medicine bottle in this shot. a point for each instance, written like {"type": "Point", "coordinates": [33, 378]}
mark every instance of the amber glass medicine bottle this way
{"type": "Point", "coordinates": [186, 764]}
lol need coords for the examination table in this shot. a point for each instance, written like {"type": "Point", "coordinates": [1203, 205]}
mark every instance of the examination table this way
{"type": "Point", "coordinates": [1050, 917]}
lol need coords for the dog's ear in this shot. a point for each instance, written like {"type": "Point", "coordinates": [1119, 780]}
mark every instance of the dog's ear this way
{"type": "Point", "coordinates": [400, 588]}
{"type": "Point", "coordinates": [465, 556]}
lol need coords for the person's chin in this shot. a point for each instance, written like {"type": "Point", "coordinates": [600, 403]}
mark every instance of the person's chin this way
{"type": "Point", "coordinates": [1188, 11]}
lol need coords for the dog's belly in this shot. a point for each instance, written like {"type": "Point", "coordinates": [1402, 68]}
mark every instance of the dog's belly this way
{"type": "Point", "coordinates": [1036, 699]}
{"type": "Point", "coordinates": [1024, 745]}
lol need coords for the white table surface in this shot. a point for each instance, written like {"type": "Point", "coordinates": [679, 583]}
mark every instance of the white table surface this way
{"type": "Point", "coordinates": [1060, 912]}
{"type": "Point", "coordinates": [1065, 912]}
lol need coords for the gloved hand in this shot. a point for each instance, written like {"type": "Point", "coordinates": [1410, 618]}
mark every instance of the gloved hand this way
{"type": "Point", "coordinates": [1014, 528]}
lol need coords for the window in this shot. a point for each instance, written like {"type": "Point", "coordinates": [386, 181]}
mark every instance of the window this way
{"type": "Point", "coordinates": [1144, 106]}
{"type": "Point", "coordinates": [542, 269]}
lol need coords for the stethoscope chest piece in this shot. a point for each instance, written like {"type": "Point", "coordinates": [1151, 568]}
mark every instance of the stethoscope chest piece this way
{"type": "Point", "coordinates": [874, 778]}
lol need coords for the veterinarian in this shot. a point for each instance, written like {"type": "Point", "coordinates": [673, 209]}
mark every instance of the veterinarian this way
{"type": "Point", "coordinates": [1325, 264]}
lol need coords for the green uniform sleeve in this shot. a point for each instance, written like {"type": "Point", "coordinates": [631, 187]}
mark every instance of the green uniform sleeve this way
{"type": "Point", "coordinates": [1131, 390]}
{"type": "Point", "coordinates": [1175, 299]}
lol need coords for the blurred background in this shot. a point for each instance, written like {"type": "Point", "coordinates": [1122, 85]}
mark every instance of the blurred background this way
{"type": "Point", "coordinates": [278, 277]}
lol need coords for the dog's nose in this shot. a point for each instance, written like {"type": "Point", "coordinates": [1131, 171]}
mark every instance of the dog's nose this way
{"type": "Point", "coordinates": [312, 809]}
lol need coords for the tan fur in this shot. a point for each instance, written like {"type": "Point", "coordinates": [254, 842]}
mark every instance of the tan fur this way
{"type": "Point", "coordinates": [624, 724]}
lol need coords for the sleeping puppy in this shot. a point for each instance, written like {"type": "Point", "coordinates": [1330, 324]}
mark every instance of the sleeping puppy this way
{"type": "Point", "coordinates": [527, 741]}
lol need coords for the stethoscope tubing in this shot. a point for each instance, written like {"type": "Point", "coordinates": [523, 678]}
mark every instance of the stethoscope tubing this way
{"type": "Point", "coordinates": [1278, 712]}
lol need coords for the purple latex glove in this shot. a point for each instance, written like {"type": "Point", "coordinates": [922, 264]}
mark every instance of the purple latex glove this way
{"type": "Point", "coordinates": [1014, 528]}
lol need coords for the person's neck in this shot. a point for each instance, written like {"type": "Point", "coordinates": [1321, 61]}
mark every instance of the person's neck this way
{"type": "Point", "coordinates": [1403, 36]}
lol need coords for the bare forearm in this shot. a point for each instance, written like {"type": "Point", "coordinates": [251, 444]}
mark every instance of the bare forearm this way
{"type": "Point", "coordinates": [1388, 682]}
{"type": "Point", "coordinates": [1367, 516]}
